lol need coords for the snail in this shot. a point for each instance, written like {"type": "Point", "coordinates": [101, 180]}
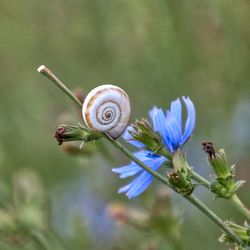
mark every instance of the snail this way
{"type": "Point", "coordinates": [107, 109]}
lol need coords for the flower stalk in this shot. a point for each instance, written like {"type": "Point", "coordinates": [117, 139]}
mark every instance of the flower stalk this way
{"type": "Point", "coordinates": [238, 204]}
{"type": "Point", "coordinates": [51, 76]}
{"type": "Point", "coordinates": [201, 180]}
{"type": "Point", "coordinates": [191, 198]}
{"type": "Point", "coordinates": [194, 175]}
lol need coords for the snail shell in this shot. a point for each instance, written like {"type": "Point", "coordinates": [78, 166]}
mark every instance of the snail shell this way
{"type": "Point", "coordinates": [107, 109]}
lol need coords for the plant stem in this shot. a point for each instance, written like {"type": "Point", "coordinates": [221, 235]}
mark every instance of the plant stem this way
{"type": "Point", "coordinates": [193, 199]}
{"type": "Point", "coordinates": [199, 178]}
{"type": "Point", "coordinates": [194, 175]}
{"type": "Point", "coordinates": [125, 151]}
{"type": "Point", "coordinates": [49, 74]}
{"type": "Point", "coordinates": [238, 204]}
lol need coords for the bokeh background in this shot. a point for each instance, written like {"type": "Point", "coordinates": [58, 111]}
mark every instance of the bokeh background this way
{"type": "Point", "coordinates": [156, 51]}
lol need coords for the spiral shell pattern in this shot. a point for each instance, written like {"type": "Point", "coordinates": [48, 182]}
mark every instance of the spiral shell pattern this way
{"type": "Point", "coordinates": [107, 109]}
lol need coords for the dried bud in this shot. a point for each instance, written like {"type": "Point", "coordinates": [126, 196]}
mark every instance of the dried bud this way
{"type": "Point", "coordinates": [59, 135]}
{"type": "Point", "coordinates": [208, 147]}
{"type": "Point", "coordinates": [67, 133]}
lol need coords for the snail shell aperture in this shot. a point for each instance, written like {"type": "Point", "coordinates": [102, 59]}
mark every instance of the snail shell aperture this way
{"type": "Point", "coordinates": [107, 109]}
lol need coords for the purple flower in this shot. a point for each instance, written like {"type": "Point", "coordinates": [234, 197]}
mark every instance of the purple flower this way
{"type": "Point", "coordinates": [174, 135]}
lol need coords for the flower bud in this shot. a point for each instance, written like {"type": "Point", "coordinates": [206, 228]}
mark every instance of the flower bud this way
{"type": "Point", "coordinates": [224, 184]}
{"type": "Point", "coordinates": [218, 160]}
{"type": "Point", "coordinates": [180, 182]}
{"type": "Point", "coordinates": [144, 133]}
{"type": "Point", "coordinates": [225, 188]}
{"type": "Point", "coordinates": [67, 133]}
{"type": "Point", "coordinates": [242, 231]}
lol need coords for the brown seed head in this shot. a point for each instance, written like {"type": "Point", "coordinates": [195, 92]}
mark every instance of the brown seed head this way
{"type": "Point", "coordinates": [208, 147]}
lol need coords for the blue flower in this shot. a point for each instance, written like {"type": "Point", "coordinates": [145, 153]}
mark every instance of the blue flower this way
{"type": "Point", "coordinates": [174, 135]}
{"type": "Point", "coordinates": [170, 126]}
{"type": "Point", "coordinates": [144, 179]}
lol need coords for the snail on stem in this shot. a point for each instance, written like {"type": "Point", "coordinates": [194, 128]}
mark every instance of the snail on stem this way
{"type": "Point", "coordinates": [107, 109]}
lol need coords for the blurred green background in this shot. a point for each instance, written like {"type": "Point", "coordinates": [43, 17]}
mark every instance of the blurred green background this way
{"type": "Point", "coordinates": [155, 50]}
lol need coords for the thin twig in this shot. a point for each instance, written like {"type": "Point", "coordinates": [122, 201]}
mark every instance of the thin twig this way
{"type": "Point", "coordinates": [50, 75]}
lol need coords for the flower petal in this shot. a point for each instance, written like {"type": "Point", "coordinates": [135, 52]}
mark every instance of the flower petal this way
{"type": "Point", "coordinates": [173, 130]}
{"type": "Point", "coordinates": [125, 188]}
{"type": "Point", "coordinates": [129, 138]}
{"type": "Point", "coordinates": [145, 155]}
{"type": "Point", "coordinates": [176, 110]}
{"type": "Point", "coordinates": [132, 168]}
{"type": "Point", "coordinates": [140, 183]}
{"type": "Point", "coordinates": [128, 170]}
{"type": "Point", "coordinates": [190, 122]}
{"type": "Point", "coordinates": [157, 117]}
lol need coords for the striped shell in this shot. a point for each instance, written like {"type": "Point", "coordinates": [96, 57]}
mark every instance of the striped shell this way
{"type": "Point", "coordinates": [107, 109]}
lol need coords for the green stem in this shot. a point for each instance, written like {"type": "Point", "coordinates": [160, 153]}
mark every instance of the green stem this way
{"type": "Point", "coordinates": [193, 199]}
{"type": "Point", "coordinates": [194, 175]}
{"type": "Point", "coordinates": [199, 179]}
{"type": "Point", "coordinates": [49, 74]}
{"type": "Point", "coordinates": [239, 205]}
{"type": "Point", "coordinates": [125, 151]}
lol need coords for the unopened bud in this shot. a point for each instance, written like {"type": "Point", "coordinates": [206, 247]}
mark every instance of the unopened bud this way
{"type": "Point", "coordinates": [180, 182]}
{"type": "Point", "coordinates": [67, 133]}
{"type": "Point", "coordinates": [218, 160]}
{"type": "Point", "coordinates": [144, 133]}
{"type": "Point", "coordinates": [224, 184]}
{"type": "Point", "coordinates": [242, 231]}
